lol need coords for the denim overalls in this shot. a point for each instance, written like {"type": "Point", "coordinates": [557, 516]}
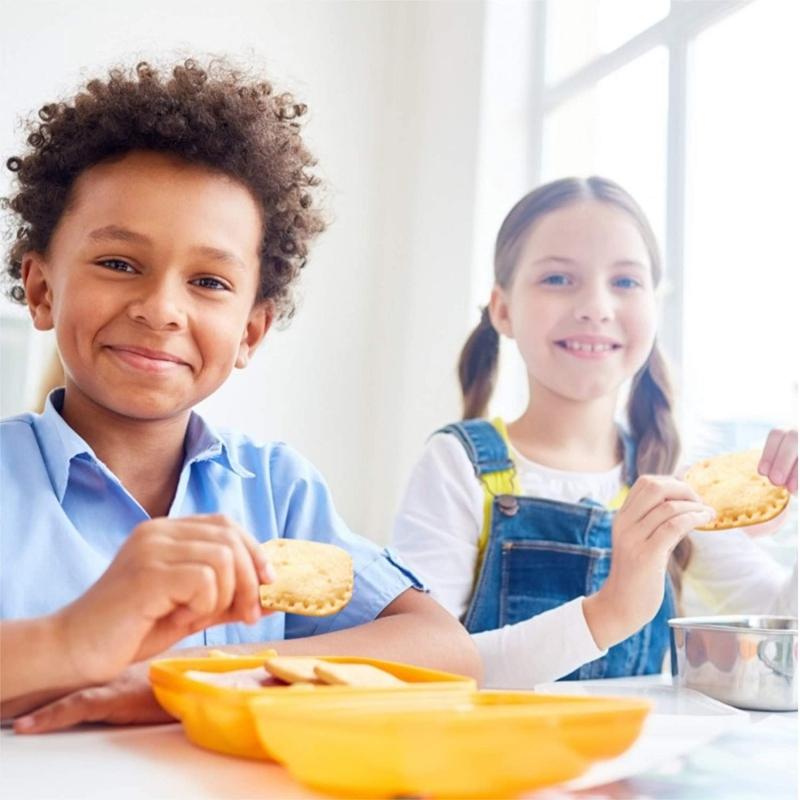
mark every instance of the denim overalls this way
{"type": "Point", "coordinates": [543, 553]}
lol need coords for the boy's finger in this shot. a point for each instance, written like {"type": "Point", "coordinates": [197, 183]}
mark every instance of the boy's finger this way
{"type": "Point", "coordinates": [203, 575]}
{"type": "Point", "coordinates": [86, 705]}
{"type": "Point", "coordinates": [770, 449]}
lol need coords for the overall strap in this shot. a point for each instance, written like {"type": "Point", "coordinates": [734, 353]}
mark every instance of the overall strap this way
{"type": "Point", "coordinates": [486, 444]}
{"type": "Point", "coordinates": [629, 473]}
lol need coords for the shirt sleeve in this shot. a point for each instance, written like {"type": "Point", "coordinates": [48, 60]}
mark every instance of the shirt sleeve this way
{"type": "Point", "coordinates": [731, 574]}
{"type": "Point", "coordinates": [306, 511]}
{"type": "Point", "coordinates": [436, 532]}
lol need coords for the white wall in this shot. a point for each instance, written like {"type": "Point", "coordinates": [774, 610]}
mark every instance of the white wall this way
{"type": "Point", "coordinates": [366, 370]}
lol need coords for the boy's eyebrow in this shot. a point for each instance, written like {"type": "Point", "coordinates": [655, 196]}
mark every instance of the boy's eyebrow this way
{"type": "Point", "coordinates": [116, 233]}
{"type": "Point", "coordinates": [119, 234]}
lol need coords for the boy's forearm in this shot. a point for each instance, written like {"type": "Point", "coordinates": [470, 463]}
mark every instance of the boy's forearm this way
{"type": "Point", "coordinates": [412, 629]}
{"type": "Point", "coordinates": [33, 666]}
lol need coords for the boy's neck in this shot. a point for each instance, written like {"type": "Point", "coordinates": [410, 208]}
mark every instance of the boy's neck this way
{"type": "Point", "coordinates": [145, 455]}
{"type": "Point", "coordinates": [577, 436]}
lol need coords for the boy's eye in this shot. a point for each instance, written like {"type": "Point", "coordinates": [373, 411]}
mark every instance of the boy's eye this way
{"type": "Point", "coordinates": [557, 279]}
{"type": "Point", "coordinates": [626, 283]}
{"type": "Point", "coordinates": [117, 265]}
{"type": "Point", "coordinates": [211, 283]}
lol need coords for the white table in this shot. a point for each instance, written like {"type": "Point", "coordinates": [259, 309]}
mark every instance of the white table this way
{"type": "Point", "coordinates": [731, 755]}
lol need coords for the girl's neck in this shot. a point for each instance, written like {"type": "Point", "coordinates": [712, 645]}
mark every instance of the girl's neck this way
{"type": "Point", "coordinates": [146, 455]}
{"type": "Point", "coordinates": [577, 436]}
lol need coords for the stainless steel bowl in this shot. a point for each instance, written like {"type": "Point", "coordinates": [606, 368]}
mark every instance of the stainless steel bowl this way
{"type": "Point", "coordinates": [746, 661]}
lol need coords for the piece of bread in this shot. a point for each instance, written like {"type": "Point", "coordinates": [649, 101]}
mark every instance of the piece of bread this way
{"type": "Point", "coordinates": [731, 485]}
{"type": "Point", "coordinates": [311, 578]}
{"type": "Point", "coordinates": [363, 675]}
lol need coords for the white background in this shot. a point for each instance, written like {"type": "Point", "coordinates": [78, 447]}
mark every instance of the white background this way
{"type": "Point", "coordinates": [425, 121]}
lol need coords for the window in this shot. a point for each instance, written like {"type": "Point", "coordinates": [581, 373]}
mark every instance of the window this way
{"type": "Point", "coordinates": [689, 106]}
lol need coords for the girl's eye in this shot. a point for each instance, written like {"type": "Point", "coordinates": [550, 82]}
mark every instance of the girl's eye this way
{"type": "Point", "coordinates": [626, 283]}
{"type": "Point", "coordinates": [211, 283]}
{"type": "Point", "coordinates": [116, 265]}
{"type": "Point", "coordinates": [556, 280]}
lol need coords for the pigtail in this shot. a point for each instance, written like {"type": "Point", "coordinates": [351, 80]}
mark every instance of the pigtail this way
{"type": "Point", "coordinates": [655, 431]}
{"type": "Point", "coordinates": [477, 367]}
{"type": "Point", "coordinates": [651, 419]}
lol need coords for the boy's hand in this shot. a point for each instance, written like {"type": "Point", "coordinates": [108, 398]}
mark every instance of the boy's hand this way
{"type": "Point", "coordinates": [126, 700]}
{"type": "Point", "coordinates": [657, 514]}
{"type": "Point", "coordinates": [779, 459]}
{"type": "Point", "coordinates": [171, 578]}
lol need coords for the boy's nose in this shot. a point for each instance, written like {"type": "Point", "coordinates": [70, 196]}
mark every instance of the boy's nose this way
{"type": "Point", "coordinates": [158, 307]}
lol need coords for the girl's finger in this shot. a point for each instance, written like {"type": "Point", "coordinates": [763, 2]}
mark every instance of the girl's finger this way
{"type": "Point", "coordinates": [670, 509]}
{"type": "Point", "coordinates": [784, 460]}
{"type": "Point", "coordinates": [770, 449]}
{"type": "Point", "coordinates": [791, 481]}
{"type": "Point", "coordinates": [670, 533]}
{"type": "Point", "coordinates": [653, 491]}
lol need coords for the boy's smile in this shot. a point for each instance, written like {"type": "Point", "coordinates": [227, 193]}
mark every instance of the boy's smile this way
{"type": "Point", "coordinates": [150, 283]}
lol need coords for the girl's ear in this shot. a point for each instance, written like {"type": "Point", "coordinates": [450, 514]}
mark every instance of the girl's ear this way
{"type": "Point", "coordinates": [258, 323]}
{"type": "Point", "coordinates": [38, 292]}
{"type": "Point", "coordinates": [498, 311]}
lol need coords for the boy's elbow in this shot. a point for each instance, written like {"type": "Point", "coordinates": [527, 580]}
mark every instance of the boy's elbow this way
{"type": "Point", "coordinates": [457, 646]}
{"type": "Point", "coordinates": [466, 655]}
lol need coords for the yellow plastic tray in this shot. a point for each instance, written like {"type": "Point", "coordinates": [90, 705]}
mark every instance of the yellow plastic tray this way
{"type": "Point", "coordinates": [478, 744]}
{"type": "Point", "coordinates": [218, 718]}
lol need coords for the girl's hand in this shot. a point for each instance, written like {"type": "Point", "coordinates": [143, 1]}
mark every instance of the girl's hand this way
{"type": "Point", "coordinates": [779, 459]}
{"type": "Point", "coordinates": [171, 578]}
{"type": "Point", "coordinates": [658, 512]}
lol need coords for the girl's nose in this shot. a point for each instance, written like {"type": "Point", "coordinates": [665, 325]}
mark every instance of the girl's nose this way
{"type": "Point", "coordinates": [594, 306]}
{"type": "Point", "coordinates": [158, 306]}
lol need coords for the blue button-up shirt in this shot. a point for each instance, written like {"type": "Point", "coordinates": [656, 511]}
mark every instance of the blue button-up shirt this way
{"type": "Point", "coordinates": [64, 515]}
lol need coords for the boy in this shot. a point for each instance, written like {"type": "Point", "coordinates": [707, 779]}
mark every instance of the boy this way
{"type": "Point", "coordinates": [162, 222]}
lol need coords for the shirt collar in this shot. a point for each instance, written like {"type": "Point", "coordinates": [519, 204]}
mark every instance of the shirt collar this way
{"type": "Point", "coordinates": [60, 444]}
{"type": "Point", "coordinates": [203, 443]}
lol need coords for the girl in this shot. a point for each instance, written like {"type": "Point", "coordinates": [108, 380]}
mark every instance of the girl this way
{"type": "Point", "coordinates": [514, 527]}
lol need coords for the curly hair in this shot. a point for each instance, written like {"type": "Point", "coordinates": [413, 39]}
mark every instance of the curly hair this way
{"type": "Point", "coordinates": [215, 117]}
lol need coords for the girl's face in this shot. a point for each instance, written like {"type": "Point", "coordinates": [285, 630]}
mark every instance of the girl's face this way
{"type": "Point", "coordinates": [581, 305]}
{"type": "Point", "coordinates": [149, 282]}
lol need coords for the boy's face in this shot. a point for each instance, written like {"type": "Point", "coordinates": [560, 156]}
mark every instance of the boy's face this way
{"type": "Point", "coordinates": [149, 282]}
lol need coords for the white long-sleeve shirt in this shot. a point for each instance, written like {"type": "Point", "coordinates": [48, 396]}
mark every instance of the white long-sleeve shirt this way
{"type": "Point", "coordinates": [437, 531]}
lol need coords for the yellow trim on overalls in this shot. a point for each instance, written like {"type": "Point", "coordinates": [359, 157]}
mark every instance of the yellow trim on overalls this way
{"type": "Point", "coordinates": [505, 481]}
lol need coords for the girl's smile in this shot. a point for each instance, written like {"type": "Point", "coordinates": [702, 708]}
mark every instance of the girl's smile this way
{"type": "Point", "coordinates": [593, 347]}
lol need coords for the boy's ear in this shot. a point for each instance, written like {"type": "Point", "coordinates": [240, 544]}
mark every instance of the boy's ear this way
{"type": "Point", "coordinates": [38, 293]}
{"type": "Point", "coordinates": [498, 311]}
{"type": "Point", "coordinates": [258, 323]}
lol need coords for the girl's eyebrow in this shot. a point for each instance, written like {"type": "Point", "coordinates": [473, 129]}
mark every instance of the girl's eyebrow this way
{"type": "Point", "coordinates": [117, 233]}
{"type": "Point", "coordinates": [557, 259]}
{"type": "Point", "coordinates": [622, 262]}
